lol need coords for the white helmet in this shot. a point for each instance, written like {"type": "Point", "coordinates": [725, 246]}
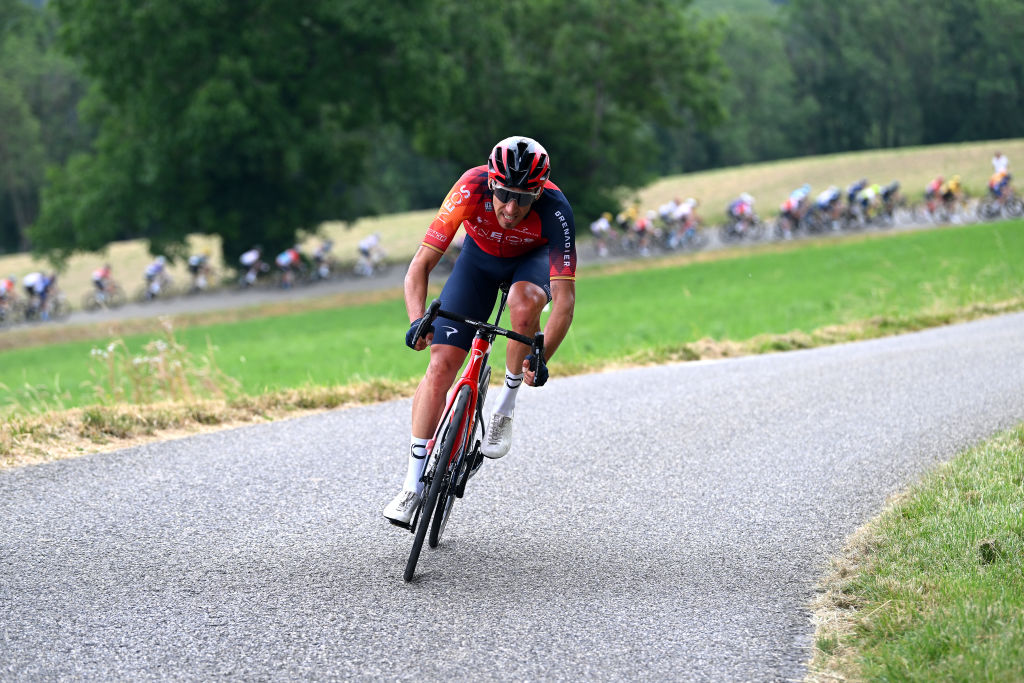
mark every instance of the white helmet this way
{"type": "Point", "coordinates": [746, 198]}
{"type": "Point", "coordinates": [691, 202]}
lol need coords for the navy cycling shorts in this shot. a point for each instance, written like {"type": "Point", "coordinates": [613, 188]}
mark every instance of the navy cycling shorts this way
{"type": "Point", "coordinates": [472, 288]}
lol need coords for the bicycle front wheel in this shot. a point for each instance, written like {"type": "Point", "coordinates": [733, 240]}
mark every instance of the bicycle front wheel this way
{"type": "Point", "coordinates": [455, 472]}
{"type": "Point", "coordinates": [439, 478]}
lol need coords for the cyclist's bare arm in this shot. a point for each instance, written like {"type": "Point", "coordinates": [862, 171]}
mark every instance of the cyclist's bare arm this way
{"type": "Point", "coordinates": [563, 303]}
{"type": "Point", "coordinates": [416, 279]}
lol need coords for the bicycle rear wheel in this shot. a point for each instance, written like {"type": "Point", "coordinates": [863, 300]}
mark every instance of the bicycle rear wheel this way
{"type": "Point", "coordinates": [439, 478]}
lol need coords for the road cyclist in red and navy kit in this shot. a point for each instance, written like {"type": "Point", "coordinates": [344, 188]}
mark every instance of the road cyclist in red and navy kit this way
{"type": "Point", "coordinates": [519, 230]}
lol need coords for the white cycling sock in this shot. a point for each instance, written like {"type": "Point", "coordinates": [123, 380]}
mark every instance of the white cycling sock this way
{"type": "Point", "coordinates": [417, 459]}
{"type": "Point", "coordinates": [507, 398]}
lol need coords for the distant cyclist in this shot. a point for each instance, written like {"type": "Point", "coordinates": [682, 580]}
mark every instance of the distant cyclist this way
{"type": "Point", "coordinates": [157, 278]}
{"type": "Point", "coordinates": [199, 270]}
{"type": "Point", "coordinates": [102, 278]}
{"type": "Point", "coordinates": [999, 185]}
{"type": "Point", "coordinates": [371, 255]}
{"type": "Point", "coordinates": [8, 293]}
{"type": "Point", "coordinates": [741, 212]}
{"type": "Point", "coordinates": [1000, 164]}
{"type": "Point", "coordinates": [600, 229]}
{"type": "Point", "coordinates": [290, 262]}
{"type": "Point", "coordinates": [323, 262]}
{"type": "Point", "coordinates": [38, 287]}
{"type": "Point", "coordinates": [252, 262]}
{"type": "Point", "coordinates": [519, 229]}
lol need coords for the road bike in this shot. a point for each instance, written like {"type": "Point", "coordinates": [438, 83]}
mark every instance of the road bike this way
{"type": "Point", "coordinates": [112, 296]}
{"type": "Point", "coordinates": [453, 454]}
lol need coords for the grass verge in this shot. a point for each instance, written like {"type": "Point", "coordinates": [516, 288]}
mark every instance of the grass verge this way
{"type": "Point", "coordinates": [933, 589]}
{"type": "Point", "coordinates": [33, 438]}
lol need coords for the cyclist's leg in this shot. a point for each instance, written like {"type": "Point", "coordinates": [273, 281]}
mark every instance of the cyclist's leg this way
{"type": "Point", "coordinates": [529, 293]}
{"type": "Point", "coordinates": [429, 400]}
{"type": "Point", "coordinates": [470, 291]}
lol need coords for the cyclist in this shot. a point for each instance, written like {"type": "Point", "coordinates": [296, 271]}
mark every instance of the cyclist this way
{"type": "Point", "coordinates": [156, 277]}
{"type": "Point", "coordinates": [38, 287]}
{"type": "Point", "coordinates": [851, 197]}
{"type": "Point", "coordinates": [952, 193]}
{"type": "Point", "coordinates": [741, 212]}
{"type": "Point", "coordinates": [998, 186]}
{"type": "Point", "coordinates": [828, 206]}
{"type": "Point", "coordinates": [101, 279]}
{"type": "Point", "coordinates": [8, 292]}
{"type": "Point", "coordinates": [600, 229]}
{"type": "Point", "coordinates": [684, 222]}
{"type": "Point", "coordinates": [519, 229]}
{"type": "Point", "coordinates": [1000, 164]}
{"type": "Point", "coordinates": [199, 269]}
{"type": "Point", "coordinates": [253, 264]}
{"type": "Point", "coordinates": [791, 211]}
{"type": "Point", "coordinates": [289, 261]}
{"type": "Point", "coordinates": [932, 192]}
{"type": "Point", "coordinates": [371, 255]}
{"type": "Point", "coordinates": [891, 198]}
{"type": "Point", "coordinates": [322, 259]}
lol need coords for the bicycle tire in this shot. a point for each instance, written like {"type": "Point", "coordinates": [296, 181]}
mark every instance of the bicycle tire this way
{"type": "Point", "coordinates": [60, 308]}
{"type": "Point", "coordinates": [446, 497]}
{"type": "Point", "coordinates": [90, 301]}
{"type": "Point", "coordinates": [438, 465]}
{"type": "Point", "coordinates": [1014, 207]}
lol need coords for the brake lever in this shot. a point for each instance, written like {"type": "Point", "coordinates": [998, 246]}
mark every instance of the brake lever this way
{"type": "Point", "coordinates": [537, 351]}
{"type": "Point", "coordinates": [428, 319]}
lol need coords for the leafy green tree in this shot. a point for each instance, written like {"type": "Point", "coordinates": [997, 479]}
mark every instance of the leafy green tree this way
{"type": "Point", "coordinates": [247, 120]}
{"type": "Point", "coordinates": [39, 88]}
{"type": "Point", "coordinates": [591, 80]}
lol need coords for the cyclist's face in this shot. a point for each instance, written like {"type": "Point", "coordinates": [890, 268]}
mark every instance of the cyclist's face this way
{"type": "Point", "coordinates": [511, 213]}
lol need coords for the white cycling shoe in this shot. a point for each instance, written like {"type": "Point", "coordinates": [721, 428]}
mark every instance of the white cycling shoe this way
{"type": "Point", "coordinates": [499, 437]}
{"type": "Point", "coordinates": [401, 510]}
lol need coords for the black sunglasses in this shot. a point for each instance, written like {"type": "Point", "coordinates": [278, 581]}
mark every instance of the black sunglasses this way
{"type": "Point", "coordinates": [505, 195]}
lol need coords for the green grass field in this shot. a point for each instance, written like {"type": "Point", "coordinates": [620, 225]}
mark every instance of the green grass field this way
{"type": "Point", "coordinates": [652, 310]}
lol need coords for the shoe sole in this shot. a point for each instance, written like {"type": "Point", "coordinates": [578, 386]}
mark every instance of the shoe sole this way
{"type": "Point", "coordinates": [404, 525]}
{"type": "Point", "coordinates": [494, 457]}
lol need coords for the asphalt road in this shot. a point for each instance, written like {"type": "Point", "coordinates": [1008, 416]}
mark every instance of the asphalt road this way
{"type": "Point", "coordinates": [652, 524]}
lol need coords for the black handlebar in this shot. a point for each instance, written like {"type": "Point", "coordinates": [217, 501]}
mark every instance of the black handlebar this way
{"type": "Point", "coordinates": [434, 311]}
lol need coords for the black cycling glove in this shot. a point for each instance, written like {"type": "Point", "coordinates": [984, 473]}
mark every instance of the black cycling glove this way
{"type": "Point", "coordinates": [541, 375]}
{"type": "Point", "coordinates": [410, 336]}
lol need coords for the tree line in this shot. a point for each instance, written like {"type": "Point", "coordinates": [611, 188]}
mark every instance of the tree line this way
{"type": "Point", "coordinates": [256, 121]}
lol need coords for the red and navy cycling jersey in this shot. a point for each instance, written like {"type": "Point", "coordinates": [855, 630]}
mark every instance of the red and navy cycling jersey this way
{"type": "Point", "coordinates": [470, 204]}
